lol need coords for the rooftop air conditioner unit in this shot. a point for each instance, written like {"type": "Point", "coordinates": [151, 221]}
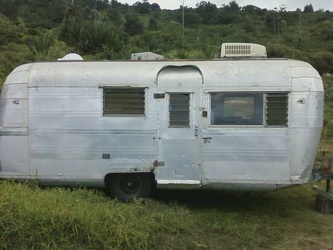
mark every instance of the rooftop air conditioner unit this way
{"type": "Point", "coordinates": [243, 50]}
{"type": "Point", "coordinates": [146, 56]}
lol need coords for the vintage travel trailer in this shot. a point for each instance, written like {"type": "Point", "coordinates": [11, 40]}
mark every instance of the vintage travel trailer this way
{"type": "Point", "coordinates": [240, 123]}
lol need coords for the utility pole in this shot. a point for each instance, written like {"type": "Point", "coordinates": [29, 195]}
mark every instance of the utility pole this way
{"type": "Point", "coordinates": [300, 25]}
{"type": "Point", "coordinates": [183, 19]}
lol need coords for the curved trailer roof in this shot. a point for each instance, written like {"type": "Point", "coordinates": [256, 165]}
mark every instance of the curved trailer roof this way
{"type": "Point", "coordinates": [253, 73]}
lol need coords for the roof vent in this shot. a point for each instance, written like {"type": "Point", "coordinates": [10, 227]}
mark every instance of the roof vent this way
{"type": "Point", "coordinates": [146, 56]}
{"type": "Point", "coordinates": [71, 57]}
{"type": "Point", "coordinates": [243, 50]}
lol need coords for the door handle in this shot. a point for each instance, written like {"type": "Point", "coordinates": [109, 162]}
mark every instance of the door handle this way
{"type": "Point", "coordinates": [207, 139]}
{"type": "Point", "coordinates": [196, 130]}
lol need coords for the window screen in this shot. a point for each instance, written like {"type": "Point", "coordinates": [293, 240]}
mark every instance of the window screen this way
{"type": "Point", "coordinates": [277, 109]}
{"type": "Point", "coordinates": [179, 110]}
{"type": "Point", "coordinates": [236, 108]}
{"type": "Point", "coordinates": [124, 101]}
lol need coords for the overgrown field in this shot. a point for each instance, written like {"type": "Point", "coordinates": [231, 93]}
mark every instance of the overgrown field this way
{"type": "Point", "coordinates": [56, 218]}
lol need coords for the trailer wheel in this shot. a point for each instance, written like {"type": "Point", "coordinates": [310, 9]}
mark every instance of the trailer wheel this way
{"type": "Point", "coordinates": [127, 187]}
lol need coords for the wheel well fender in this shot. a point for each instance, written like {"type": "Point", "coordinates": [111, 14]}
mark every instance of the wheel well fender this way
{"type": "Point", "coordinates": [108, 178]}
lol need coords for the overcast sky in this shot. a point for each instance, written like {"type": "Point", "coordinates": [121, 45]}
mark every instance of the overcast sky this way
{"type": "Point", "coordinates": [268, 4]}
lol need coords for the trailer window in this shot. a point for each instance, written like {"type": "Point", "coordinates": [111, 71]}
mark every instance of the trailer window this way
{"type": "Point", "coordinates": [277, 109]}
{"type": "Point", "coordinates": [248, 108]}
{"type": "Point", "coordinates": [123, 101]}
{"type": "Point", "coordinates": [179, 110]}
{"type": "Point", "coordinates": [236, 108]}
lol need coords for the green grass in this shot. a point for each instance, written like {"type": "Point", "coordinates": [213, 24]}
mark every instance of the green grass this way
{"type": "Point", "coordinates": [56, 218]}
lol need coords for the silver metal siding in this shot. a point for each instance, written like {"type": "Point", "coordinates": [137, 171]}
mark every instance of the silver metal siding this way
{"type": "Point", "coordinates": [247, 154]}
{"type": "Point", "coordinates": [68, 134]}
{"type": "Point", "coordinates": [243, 154]}
{"type": "Point", "coordinates": [306, 118]}
{"type": "Point", "coordinates": [14, 158]}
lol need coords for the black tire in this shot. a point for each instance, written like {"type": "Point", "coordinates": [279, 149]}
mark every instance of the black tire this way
{"type": "Point", "coordinates": [128, 187]}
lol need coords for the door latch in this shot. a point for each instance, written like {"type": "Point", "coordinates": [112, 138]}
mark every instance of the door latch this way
{"type": "Point", "coordinates": [196, 130]}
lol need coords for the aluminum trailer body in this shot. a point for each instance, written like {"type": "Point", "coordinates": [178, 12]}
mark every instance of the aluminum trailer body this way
{"type": "Point", "coordinates": [252, 124]}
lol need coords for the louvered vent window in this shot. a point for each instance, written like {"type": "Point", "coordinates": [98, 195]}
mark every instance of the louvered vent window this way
{"type": "Point", "coordinates": [179, 110]}
{"type": "Point", "coordinates": [124, 101]}
{"type": "Point", "coordinates": [277, 109]}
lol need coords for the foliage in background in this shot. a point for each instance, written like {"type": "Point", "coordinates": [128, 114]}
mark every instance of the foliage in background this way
{"type": "Point", "coordinates": [97, 28]}
{"type": "Point", "coordinates": [38, 30]}
{"type": "Point", "coordinates": [328, 114]}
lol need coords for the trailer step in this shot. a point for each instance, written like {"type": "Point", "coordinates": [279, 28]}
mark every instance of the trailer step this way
{"type": "Point", "coordinates": [324, 201]}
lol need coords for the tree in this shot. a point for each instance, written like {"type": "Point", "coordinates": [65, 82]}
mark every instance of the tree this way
{"type": "Point", "coordinates": [42, 14]}
{"type": "Point", "coordinates": [207, 11]}
{"type": "Point", "coordinates": [192, 18]}
{"type": "Point", "coordinates": [248, 25]}
{"type": "Point", "coordinates": [10, 8]}
{"type": "Point", "coordinates": [115, 3]}
{"type": "Point", "coordinates": [322, 61]}
{"type": "Point", "coordinates": [324, 29]}
{"type": "Point", "coordinates": [100, 35]}
{"type": "Point", "coordinates": [234, 7]}
{"type": "Point", "coordinates": [230, 13]}
{"type": "Point", "coordinates": [155, 7]}
{"type": "Point", "coordinates": [173, 33]}
{"type": "Point", "coordinates": [133, 25]}
{"type": "Point", "coordinates": [153, 40]}
{"type": "Point", "coordinates": [8, 31]}
{"type": "Point", "coordinates": [152, 23]}
{"type": "Point", "coordinates": [142, 8]}
{"type": "Point", "coordinates": [115, 16]}
{"type": "Point", "coordinates": [271, 21]}
{"type": "Point", "coordinates": [39, 45]}
{"type": "Point", "coordinates": [283, 26]}
{"type": "Point", "coordinates": [308, 9]}
{"type": "Point", "coordinates": [253, 10]}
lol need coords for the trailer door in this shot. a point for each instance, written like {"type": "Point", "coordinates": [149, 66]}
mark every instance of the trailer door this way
{"type": "Point", "coordinates": [179, 124]}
